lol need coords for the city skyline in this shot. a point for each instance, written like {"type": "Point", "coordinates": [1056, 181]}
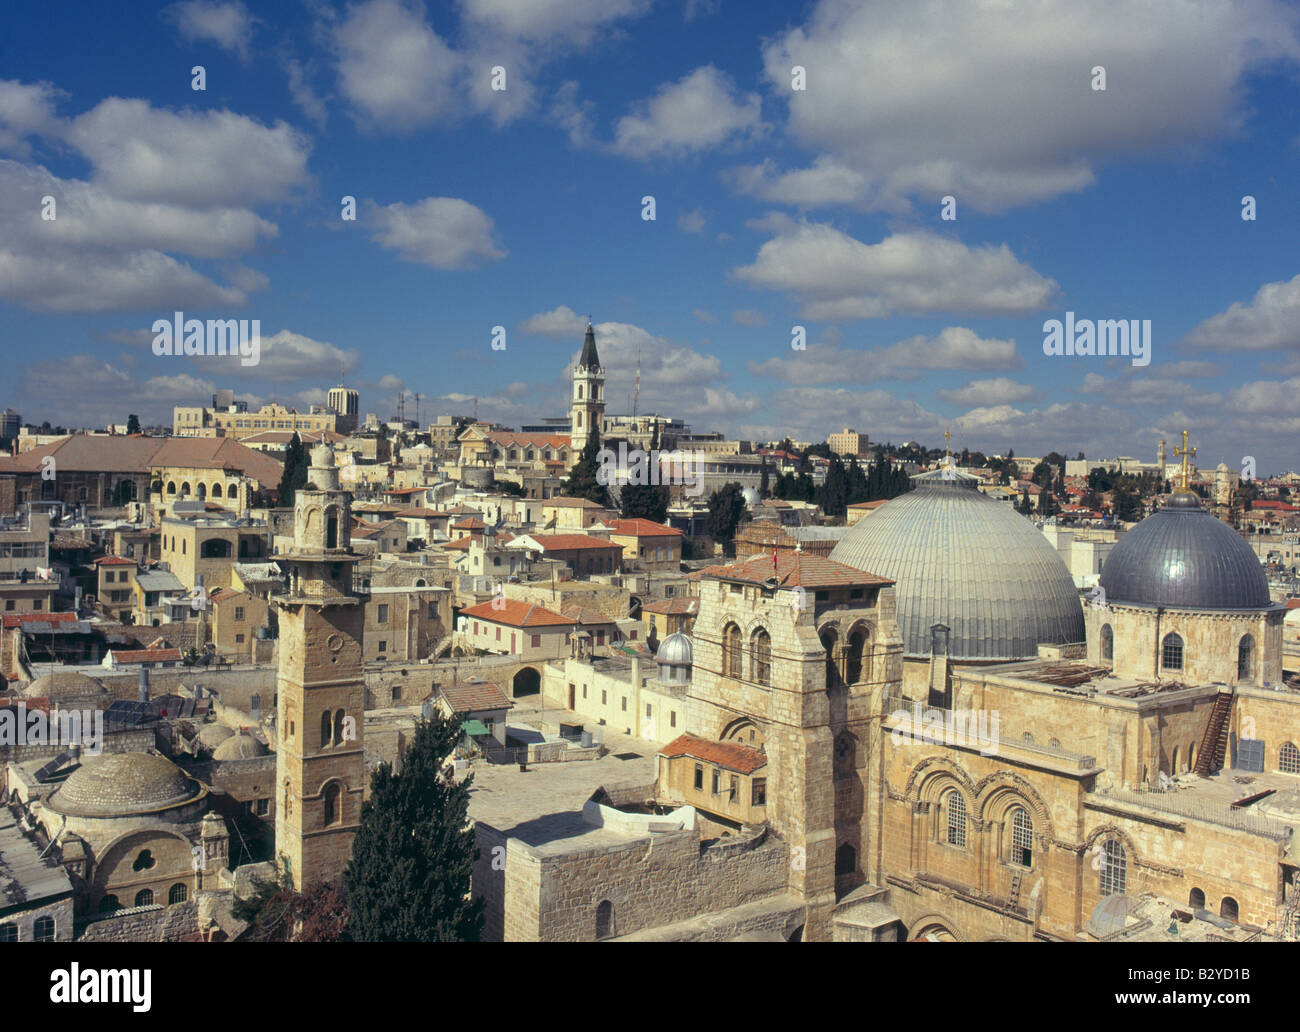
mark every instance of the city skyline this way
{"type": "Point", "coordinates": [522, 208]}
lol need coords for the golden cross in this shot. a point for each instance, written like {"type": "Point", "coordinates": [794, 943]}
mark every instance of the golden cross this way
{"type": "Point", "coordinates": [1185, 452]}
{"type": "Point", "coordinates": [946, 435]}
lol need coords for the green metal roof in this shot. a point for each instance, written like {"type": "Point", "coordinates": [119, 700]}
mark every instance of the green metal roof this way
{"type": "Point", "coordinates": [474, 727]}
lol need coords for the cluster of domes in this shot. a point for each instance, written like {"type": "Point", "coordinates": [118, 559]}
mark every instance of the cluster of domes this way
{"type": "Point", "coordinates": [961, 559]}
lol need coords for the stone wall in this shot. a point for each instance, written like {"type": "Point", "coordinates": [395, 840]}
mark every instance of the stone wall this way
{"type": "Point", "coordinates": [177, 923]}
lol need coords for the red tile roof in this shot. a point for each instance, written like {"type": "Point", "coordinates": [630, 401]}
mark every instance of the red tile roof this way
{"type": "Point", "coordinates": [564, 502]}
{"type": "Point", "coordinates": [113, 560]}
{"type": "Point", "coordinates": [731, 755]}
{"type": "Point", "coordinates": [419, 513]}
{"type": "Point", "coordinates": [18, 619]}
{"type": "Point", "coordinates": [683, 605]}
{"type": "Point", "coordinates": [586, 615]}
{"type": "Point", "coordinates": [643, 528]}
{"type": "Point", "coordinates": [469, 523]}
{"type": "Point", "coordinates": [474, 697]}
{"type": "Point", "coordinates": [796, 569]}
{"type": "Point", "coordinates": [514, 613]}
{"type": "Point", "coordinates": [147, 655]}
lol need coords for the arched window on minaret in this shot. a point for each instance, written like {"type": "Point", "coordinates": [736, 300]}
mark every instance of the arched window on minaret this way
{"type": "Point", "coordinates": [333, 804]}
{"type": "Point", "coordinates": [338, 727]}
{"type": "Point", "coordinates": [332, 530]}
{"type": "Point", "coordinates": [579, 392]}
{"type": "Point", "coordinates": [325, 738]}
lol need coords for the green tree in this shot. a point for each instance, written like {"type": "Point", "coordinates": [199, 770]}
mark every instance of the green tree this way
{"type": "Point", "coordinates": [277, 913]}
{"type": "Point", "coordinates": [409, 876]}
{"type": "Point", "coordinates": [585, 477]}
{"type": "Point", "coordinates": [764, 484]}
{"type": "Point", "coordinates": [132, 424]}
{"type": "Point", "coordinates": [294, 476]}
{"type": "Point", "coordinates": [645, 501]}
{"type": "Point", "coordinates": [833, 496]}
{"type": "Point", "coordinates": [1125, 504]}
{"type": "Point", "coordinates": [725, 510]}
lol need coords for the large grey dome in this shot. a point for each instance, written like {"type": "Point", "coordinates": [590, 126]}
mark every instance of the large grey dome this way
{"type": "Point", "coordinates": [1182, 556]}
{"type": "Point", "coordinates": [975, 565]}
{"type": "Point", "coordinates": [123, 784]}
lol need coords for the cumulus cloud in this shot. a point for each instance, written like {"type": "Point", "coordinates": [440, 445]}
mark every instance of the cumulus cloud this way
{"type": "Point", "coordinates": [996, 391]}
{"type": "Point", "coordinates": [702, 110]}
{"type": "Point", "coordinates": [748, 317]}
{"type": "Point", "coordinates": [577, 22]}
{"type": "Point", "coordinates": [692, 221]}
{"type": "Point", "coordinates": [229, 25]}
{"type": "Point", "coordinates": [442, 232]}
{"type": "Point", "coordinates": [955, 347]}
{"type": "Point", "coordinates": [1270, 321]}
{"type": "Point", "coordinates": [993, 103]}
{"type": "Point", "coordinates": [838, 278]}
{"type": "Point", "coordinates": [26, 109]}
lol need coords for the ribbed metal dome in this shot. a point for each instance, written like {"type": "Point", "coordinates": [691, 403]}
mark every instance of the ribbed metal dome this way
{"type": "Point", "coordinates": [676, 649]}
{"type": "Point", "coordinates": [975, 565]}
{"type": "Point", "coordinates": [1182, 556]}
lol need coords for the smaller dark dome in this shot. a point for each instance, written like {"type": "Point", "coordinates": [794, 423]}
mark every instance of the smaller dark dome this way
{"type": "Point", "coordinates": [1182, 556]}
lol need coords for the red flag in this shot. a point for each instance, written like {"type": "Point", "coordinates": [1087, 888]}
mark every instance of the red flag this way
{"type": "Point", "coordinates": [774, 560]}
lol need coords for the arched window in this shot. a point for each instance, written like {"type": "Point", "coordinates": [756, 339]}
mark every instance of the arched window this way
{"type": "Point", "coordinates": [859, 657]}
{"type": "Point", "coordinates": [185, 489]}
{"type": "Point", "coordinates": [1288, 759]}
{"type": "Point", "coordinates": [760, 650]}
{"type": "Point", "coordinates": [1114, 868]}
{"type": "Point", "coordinates": [1022, 838]}
{"type": "Point", "coordinates": [1246, 658]}
{"type": "Point", "coordinates": [178, 893]}
{"type": "Point", "coordinates": [338, 727]}
{"type": "Point", "coordinates": [216, 490]}
{"type": "Point", "coordinates": [109, 903]}
{"type": "Point", "coordinates": [846, 859]}
{"type": "Point", "coordinates": [333, 804]}
{"type": "Point", "coordinates": [604, 919]}
{"type": "Point", "coordinates": [288, 800]}
{"type": "Point", "coordinates": [830, 642]}
{"type": "Point", "coordinates": [1196, 899]}
{"type": "Point", "coordinates": [326, 738]}
{"type": "Point", "coordinates": [1173, 764]}
{"type": "Point", "coordinates": [579, 392]}
{"type": "Point", "coordinates": [171, 487]}
{"type": "Point", "coordinates": [956, 807]}
{"type": "Point", "coordinates": [1228, 908]}
{"type": "Point", "coordinates": [332, 530]}
{"type": "Point", "coordinates": [43, 929]}
{"type": "Point", "coordinates": [8, 932]}
{"type": "Point", "coordinates": [1171, 652]}
{"type": "Point", "coordinates": [144, 898]}
{"type": "Point", "coordinates": [1107, 643]}
{"type": "Point", "coordinates": [731, 651]}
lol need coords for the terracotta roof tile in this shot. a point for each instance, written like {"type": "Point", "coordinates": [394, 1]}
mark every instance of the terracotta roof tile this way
{"type": "Point", "coordinates": [796, 569]}
{"type": "Point", "coordinates": [731, 755]}
{"type": "Point", "coordinates": [517, 614]}
{"type": "Point", "coordinates": [571, 542]}
{"type": "Point", "coordinates": [643, 528]}
{"type": "Point", "coordinates": [474, 696]}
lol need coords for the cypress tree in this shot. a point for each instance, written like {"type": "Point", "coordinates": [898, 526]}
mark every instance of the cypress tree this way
{"type": "Point", "coordinates": [294, 476]}
{"type": "Point", "coordinates": [584, 479]}
{"type": "Point", "coordinates": [409, 876]}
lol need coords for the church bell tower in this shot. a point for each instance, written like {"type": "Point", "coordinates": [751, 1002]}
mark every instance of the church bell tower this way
{"type": "Point", "coordinates": [587, 406]}
{"type": "Point", "coordinates": [320, 759]}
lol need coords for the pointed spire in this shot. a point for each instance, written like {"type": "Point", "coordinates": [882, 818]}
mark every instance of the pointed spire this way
{"type": "Point", "coordinates": [589, 359]}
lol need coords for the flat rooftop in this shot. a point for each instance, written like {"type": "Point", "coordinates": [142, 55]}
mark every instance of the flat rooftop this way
{"type": "Point", "coordinates": [26, 877]}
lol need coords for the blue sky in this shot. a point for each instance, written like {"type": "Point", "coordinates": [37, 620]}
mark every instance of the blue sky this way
{"type": "Point", "coordinates": [775, 207]}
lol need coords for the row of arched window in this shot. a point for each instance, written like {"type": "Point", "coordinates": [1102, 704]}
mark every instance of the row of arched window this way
{"type": "Point", "coordinates": [760, 654]}
{"type": "Point", "coordinates": [230, 491]}
{"type": "Point", "coordinates": [529, 454]}
{"type": "Point", "coordinates": [1173, 652]}
{"type": "Point", "coordinates": [42, 930]}
{"type": "Point", "coordinates": [178, 893]}
{"type": "Point", "coordinates": [852, 665]}
{"type": "Point", "coordinates": [1020, 838]}
{"type": "Point", "coordinates": [331, 728]}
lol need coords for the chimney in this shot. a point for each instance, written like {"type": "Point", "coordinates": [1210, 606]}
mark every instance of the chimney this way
{"type": "Point", "coordinates": [76, 603]}
{"type": "Point", "coordinates": [144, 684]}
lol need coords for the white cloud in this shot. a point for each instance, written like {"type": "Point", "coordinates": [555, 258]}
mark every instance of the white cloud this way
{"type": "Point", "coordinates": [442, 232]}
{"type": "Point", "coordinates": [955, 347]}
{"type": "Point", "coordinates": [303, 93]}
{"type": "Point", "coordinates": [1270, 321]}
{"type": "Point", "coordinates": [703, 315]}
{"type": "Point", "coordinates": [699, 111]}
{"type": "Point", "coordinates": [692, 221]}
{"type": "Point", "coordinates": [996, 391]}
{"type": "Point", "coordinates": [395, 71]}
{"type": "Point", "coordinates": [576, 22]}
{"type": "Point", "coordinates": [229, 25]}
{"type": "Point", "coordinates": [26, 109]}
{"type": "Point", "coordinates": [992, 102]}
{"type": "Point", "coordinates": [838, 278]}
{"type": "Point", "coordinates": [560, 323]}
{"type": "Point", "coordinates": [748, 317]}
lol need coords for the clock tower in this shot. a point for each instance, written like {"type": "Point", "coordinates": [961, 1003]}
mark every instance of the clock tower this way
{"type": "Point", "coordinates": [320, 759]}
{"type": "Point", "coordinates": [587, 406]}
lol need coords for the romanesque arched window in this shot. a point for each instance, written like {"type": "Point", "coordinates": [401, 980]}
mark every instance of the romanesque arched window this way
{"type": "Point", "coordinates": [326, 735]}
{"type": "Point", "coordinates": [830, 642]}
{"type": "Point", "coordinates": [1196, 899]}
{"type": "Point", "coordinates": [333, 804]}
{"type": "Point", "coordinates": [1022, 837]}
{"type": "Point", "coordinates": [858, 660]}
{"type": "Point", "coordinates": [109, 903]}
{"type": "Point", "coordinates": [8, 932]}
{"type": "Point", "coordinates": [338, 727]}
{"type": "Point", "coordinates": [1228, 908]}
{"type": "Point", "coordinates": [1171, 652]}
{"type": "Point", "coordinates": [43, 929]}
{"type": "Point", "coordinates": [731, 651]}
{"type": "Point", "coordinates": [846, 859]}
{"type": "Point", "coordinates": [1107, 643]}
{"type": "Point", "coordinates": [1288, 759]}
{"type": "Point", "coordinates": [216, 490]}
{"type": "Point", "coordinates": [1246, 658]}
{"type": "Point", "coordinates": [845, 763]}
{"type": "Point", "coordinates": [1114, 868]}
{"type": "Point", "coordinates": [144, 898]}
{"type": "Point", "coordinates": [955, 806]}
{"type": "Point", "coordinates": [604, 919]}
{"type": "Point", "coordinates": [760, 651]}
{"type": "Point", "coordinates": [171, 487]}
{"type": "Point", "coordinates": [178, 893]}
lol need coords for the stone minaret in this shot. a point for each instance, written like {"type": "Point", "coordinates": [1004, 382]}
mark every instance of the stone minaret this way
{"type": "Point", "coordinates": [587, 407]}
{"type": "Point", "coordinates": [1160, 458]}
{"type": "Point", "coordinates": [320, 761]}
